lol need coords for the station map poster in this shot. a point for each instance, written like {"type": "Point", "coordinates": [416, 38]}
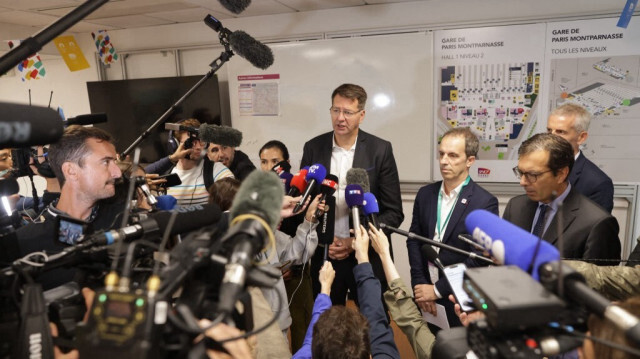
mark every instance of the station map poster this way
{"type": "Point", "coordinates": [597, 65]}
{"type": "Point", "coordinates": [489, 79]}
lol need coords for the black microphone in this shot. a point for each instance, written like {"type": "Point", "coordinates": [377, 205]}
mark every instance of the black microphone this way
{"type": "Point", "coordinates": [220, 135]}
{"type": "Point", "coordinates": [23, 125]}
{"type": "Point", "coordinates": [431, 255]}
{"type": "Point", "coordinates": [236, 6]}
{"type": "Point", "coordinates": [252, 50]}
{"type": "Point", "coordinates": [315, 176]}
{"type": "Point", "coordinates": [255, 213]}
{"type": "Point", "coordinates": [435, 243]}
{"type": "Point", "coordinates": [188, 219]}
{"type": "Point", "coordinates": [83, 120]}
{"type": "Point", "coordinates": [141, 182]}
{"type": "Point", "coordinates": [328, 187]}
{"type": "Point", "coordinates": [282, 166]}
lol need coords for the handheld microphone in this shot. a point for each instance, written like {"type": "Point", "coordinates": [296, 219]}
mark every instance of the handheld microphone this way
{"type": "Point", "coordinates": [354, 197]}
{"type": "Point", "coordinates": [298, 184]}
{"type": "Point", "coordinates": [360, 177]}
{"type": "Point", "coordinates": [282, 166]}
{"type": "Point", "coordinates": [255, 213]}
{"type": "Point", "coordinates": [371, 209]}
{"type": "Point", "coordinates": [286, 178]}
{"type": "Point", "coordinates": [188, 219]}
{"type": "Point", "coordinates": [236, 6]}
{"type": "Point", "coordinates": [252, 50]}
{"type": "Point", "coordinates": [316, 175]}
{"type": "Point", "coordinates": [23, 125]}
{"type": "Point", "coordinates": [436, 243]}
{"type": "Point", "coordinates": [328, 188]}
{"type": "Point", "coordinates": [431, 255]}
{"type": "Point", "coordinates": [141, 183]}
{"type": "Point", "coordinates": [83, 120]}
{"type": "Point", "coordinates": [508, 243]}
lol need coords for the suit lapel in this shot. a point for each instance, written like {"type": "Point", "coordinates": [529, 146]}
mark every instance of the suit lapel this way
{"type": "Point", "coordinates": [325, 152]}
{"type": "Point", "coordinates": [574, 175]}
{"type": "Point", "coordinates": [458, 210]}
{"type": "Point", "coordinates": [568, 212]}
{"type": "Point", "coordinates": [432, 213]}
{"type": "Point", "coordinates": [360, 156]}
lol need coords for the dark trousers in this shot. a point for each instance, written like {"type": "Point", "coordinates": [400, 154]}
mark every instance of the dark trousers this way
{"type": "Point", "coordinates": [301, 306]}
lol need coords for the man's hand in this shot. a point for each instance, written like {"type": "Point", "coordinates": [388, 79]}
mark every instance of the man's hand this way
{"type": "Point", "coordinates": [340, 248]}
{"type": "Point", "coordinates": [379, 241]}
{"type": "Point", "coordinates": [425, 297]}
{"type": "Point", "coordinates": [326, 277]}
{"type": "Point", "coordinates": [465, 318]}
{"type": "Point", "coordinates": [287, 274]}
{"type": "Point", "coordinates": [429, 307]}
{"type": "Point", "coordinates": [238, 349]}
{"type": "Point", "coordinates": [179, 154]}
{"type": "Point", "coordinates": [311, 210]}
{"type": "Point", "coordinates": [361, 245]}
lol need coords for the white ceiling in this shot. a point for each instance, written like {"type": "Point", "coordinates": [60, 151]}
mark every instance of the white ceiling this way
{"type": "Point", "coordinates": [122, 14]}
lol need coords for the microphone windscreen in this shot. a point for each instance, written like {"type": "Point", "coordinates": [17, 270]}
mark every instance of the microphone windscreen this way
{"type": "Point", "coordinates": [166, 202]}
{"type": "Point", "coordinates": [235, 6]}
{"type": "Point", "coordinates": [329, 185]}
{"type": "Point", "coordinates": [299, 182]}
{"type": "Point", "coordinates": [257, 53]}
{"type": "Point", "coordinates": [429, 253]}
{"type": "Point", "coordinates": [220, 135]}
{"type": "Point", "coordinates": [360, 177]}
{"type": "Point", "coordinates": [353, 195]}
{"type": "Point", "coordinates": [316, 172]}
{"type": "Point", "coordinates": [261, 193]}
{"type": "Point", "coordinates": [189, 218]}
{"type": "Point", "coordinates": [282, 166]}
{"type": "Point", "coordinates": [508, 243]}
{"type": "Point", "coordinates": [370, 204]}
{"type": "Point", "coordinates": [89, 119]}
{"type": "Point", "coordinates": [23, 125]}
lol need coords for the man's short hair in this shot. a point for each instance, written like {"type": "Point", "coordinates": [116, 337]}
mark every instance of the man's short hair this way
{"type": "Point", "coordinates": [471, 142]}
{"type": "Point", "coordinates": [560, 150]}
{"type": "Point", "coordinates": [276, 144]}
{"type": "Point", "coordinates": [603, 329]}
{"type": "Point", "coordinates": [72, 147]}
{"type": "Point", "coordinates": [352, 92]}
{"type": "Point", "coordinates": [223, 191]}
{"type": "Point", "coordinates": [341, 333]}
{"type": "Point", "coordinates": [190, 122]}
{"type": "Point", "coordinates": [580, 114]}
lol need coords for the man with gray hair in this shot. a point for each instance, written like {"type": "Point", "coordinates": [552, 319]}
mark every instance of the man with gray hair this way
{"type": "Point", "coordinates": [571, 122]}
{"type": "Point", "coordinates": [589, 232]}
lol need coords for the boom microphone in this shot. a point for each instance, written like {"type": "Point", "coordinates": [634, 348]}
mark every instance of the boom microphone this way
{"type": "Point", "coordinates": [328, 188]}
{"type": "Point", "coordinates": [255, 213]}
{"type": "Point", "coordinates": [23, 125]}
{"type": "Point", "coordinates": [315, 176]}
{"type": "Point", "coordinates": [508, 243]}
{"type": "Point", "coordinates": [188, 219]}
{"type": "Point", "coordinates": [236, 6]}
{"type": "Point", "coordinates": [220, 135]}
{"type": "Point", "coordinates": [252, 50]}
{"type": "Point", "coordinates": [83, 120]}
{"type": "Point", "coordinates": [371, 209]}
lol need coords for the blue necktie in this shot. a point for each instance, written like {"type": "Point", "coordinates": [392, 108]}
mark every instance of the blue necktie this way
{"type": "Point", "coordinates": [538, 229]}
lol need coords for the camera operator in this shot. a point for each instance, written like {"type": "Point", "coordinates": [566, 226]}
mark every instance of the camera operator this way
{"type": "Point", "coordinates": [84, 161]}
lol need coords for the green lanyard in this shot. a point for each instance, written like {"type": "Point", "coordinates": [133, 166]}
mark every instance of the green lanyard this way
{"type": "Point", "coordinates": [444, 225]}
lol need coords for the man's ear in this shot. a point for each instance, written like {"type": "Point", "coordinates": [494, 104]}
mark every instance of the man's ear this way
{"type": "Point", "coordinates": [563, 174]}
{"type": "Point", "coordinates": [70, 171]}
{"type": "Point", "coordinates": [470, 161]}
{"type": "Point", "coordinates": [582, 137]}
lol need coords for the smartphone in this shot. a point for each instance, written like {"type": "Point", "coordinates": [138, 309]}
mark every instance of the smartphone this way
{"type": "Point", "coordinates": [455, 275]}
{"type": "Point", "coordinates": [71, 230]}
{"type": "Point", "coordinates": [172, 180]}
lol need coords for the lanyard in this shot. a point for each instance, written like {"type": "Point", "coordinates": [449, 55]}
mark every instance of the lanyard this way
{"type": "Point", "coordinates": [444, 225]}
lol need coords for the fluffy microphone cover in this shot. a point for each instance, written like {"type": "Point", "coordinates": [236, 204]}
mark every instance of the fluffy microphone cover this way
{"type": "Point", "coordinates": [359, 176]}
{"type": "Point", "coordinates": [236, 6]}
{"type": "Point", "coordinates": [257, 53]}
{"type": "Point", "coordinates": [261, 193]}
{"type": "Point", "coordinates": [220, 135]}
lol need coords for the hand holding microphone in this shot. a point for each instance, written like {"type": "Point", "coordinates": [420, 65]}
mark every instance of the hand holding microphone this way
{"type": "Point", "coordinates": [315, 176]}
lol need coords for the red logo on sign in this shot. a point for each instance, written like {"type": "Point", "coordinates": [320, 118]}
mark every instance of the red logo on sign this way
{"type": "Point", "coordinates": [483, 172]}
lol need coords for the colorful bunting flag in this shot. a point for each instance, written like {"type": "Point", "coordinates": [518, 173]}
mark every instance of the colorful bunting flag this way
{"type": "Point", "coordinates": [32, 67]}
{"type": "Point", "coordinates": [71, 53]}
{"type": "Point", "coordinates": [105, 48]}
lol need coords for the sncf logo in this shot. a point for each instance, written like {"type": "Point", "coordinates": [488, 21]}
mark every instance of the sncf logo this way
{"type": "Point", "coordinates": [483, 172]}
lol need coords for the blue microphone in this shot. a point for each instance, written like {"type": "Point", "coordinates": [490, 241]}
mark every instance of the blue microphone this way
{"type": "Point", "coordinates": [354, 196]}
{"type": "Point", "coordinates": [315, 176]}
{"type": "Point", "coordinates": [508, 243]}
{"type": "Point", "coordinates": [371, 209]}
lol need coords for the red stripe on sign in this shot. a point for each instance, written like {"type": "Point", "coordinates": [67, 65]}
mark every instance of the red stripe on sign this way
{"type": "Point", "coordinates": [259, 77]}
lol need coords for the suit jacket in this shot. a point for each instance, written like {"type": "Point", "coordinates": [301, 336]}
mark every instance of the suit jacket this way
{"type": "Point", "coordinates": [423, 223]}
{"type": "Point", "coordinates": [589, 231]}
{"type": "Point", "coordinates": [591, 181]}
{"type": "Point", "coordinates": [374, 155]}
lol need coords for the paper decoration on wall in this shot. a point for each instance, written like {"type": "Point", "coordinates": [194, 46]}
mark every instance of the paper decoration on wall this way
{"type": "Point", "coordinates": [71, 53]}
{"type": "Point", "coordinates": [32, 67]}
{"type": "Point", "coordinates": [105, 48]}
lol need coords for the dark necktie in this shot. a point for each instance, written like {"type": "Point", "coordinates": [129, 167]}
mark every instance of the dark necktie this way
{"type": "Point", "coordinates": [538, 229]}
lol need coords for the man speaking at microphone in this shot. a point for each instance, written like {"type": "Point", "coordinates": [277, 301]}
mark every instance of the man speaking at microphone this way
{"type": "Point", "coordinates": [339, 150]}
{"type": "Point", "coordinates": [588, 231]}
{"type": "Point", "coordinates": [439, 212]}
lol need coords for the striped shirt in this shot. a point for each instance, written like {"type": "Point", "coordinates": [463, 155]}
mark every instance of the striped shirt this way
{"type": "Point", "coordinates": [192, 190]}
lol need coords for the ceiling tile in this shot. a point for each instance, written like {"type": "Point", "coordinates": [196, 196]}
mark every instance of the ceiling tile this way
{"type": "Point", "coordinates": [37, 4]}
{"type": "Point", "coordinates": [87, 27]}
{"type": "Point", "coordinates": [26, 18]}
{"type": "Point", "coordinates": [310, 5]}
{"type": "Point", "coordinates": [187, 15]}
{"type": "Point", "coordinates": [124, 22]}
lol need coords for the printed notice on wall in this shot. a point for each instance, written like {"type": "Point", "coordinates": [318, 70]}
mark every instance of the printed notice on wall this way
{"type": "Point", "coordinates": [259, 95]}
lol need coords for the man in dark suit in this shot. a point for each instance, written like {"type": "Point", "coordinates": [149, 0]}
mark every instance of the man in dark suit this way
{"type": "Point", "coordinates": [345, 147]}
{"type": "Point", "coordinates": [588, 231]}
{"type": "Point", "coordinates": [571, 122]}
{"type": "Point", "coordinates": [439, 212]}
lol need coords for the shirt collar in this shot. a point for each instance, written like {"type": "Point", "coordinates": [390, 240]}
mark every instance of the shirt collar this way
{"type": "Point", "coordinates": [575, 158]}
{"type": "Point", "coordinates": [335, 145]}
{"type": "Point", "coordinates": [554, 204]}
{"type": "Point", "coordinates": [53, 211]}
{"type": "Point", "coordinates": [454, 192]}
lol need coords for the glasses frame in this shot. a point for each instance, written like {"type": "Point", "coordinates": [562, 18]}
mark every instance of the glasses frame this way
{"type": "Point", "coordinates": [531, 177]}
{"type": "Point", "coordinates": [334, 111]}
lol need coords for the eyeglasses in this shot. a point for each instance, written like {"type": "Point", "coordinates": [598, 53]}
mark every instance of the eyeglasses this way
{"type": "Point", "coordinates": [335, 112]}
{"type": "Point", "coordinates": [531, 177]}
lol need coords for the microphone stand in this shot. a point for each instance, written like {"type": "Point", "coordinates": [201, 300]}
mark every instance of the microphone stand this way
{"type": "Point", "coordinates": [215, 66]}
{"type": "Point", "coordinates": [436, 243]}
{"type": "Point", "coordinates": [33, 44]}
